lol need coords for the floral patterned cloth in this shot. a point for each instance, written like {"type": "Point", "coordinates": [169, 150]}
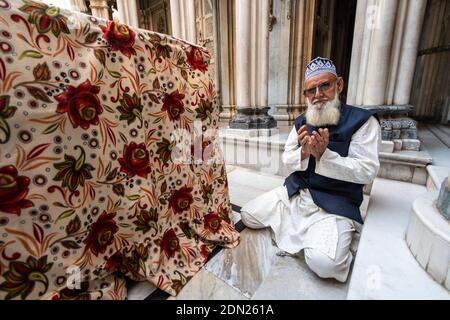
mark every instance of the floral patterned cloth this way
{"type": "Point", "coordinates": [90, 191]}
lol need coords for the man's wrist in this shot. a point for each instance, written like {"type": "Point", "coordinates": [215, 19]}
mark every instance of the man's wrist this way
{"type": "Point", "coordinates": [304, 155]}
{"type": "Point", "coordinates": [321, 154]}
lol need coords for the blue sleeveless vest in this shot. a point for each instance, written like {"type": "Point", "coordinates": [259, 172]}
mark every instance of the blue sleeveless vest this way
{"type": "Point", "coordinates": [334, 196]}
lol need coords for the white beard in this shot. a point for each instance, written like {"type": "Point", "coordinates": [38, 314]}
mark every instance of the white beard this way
{"type": "Point", "coordinates": [322, 114]}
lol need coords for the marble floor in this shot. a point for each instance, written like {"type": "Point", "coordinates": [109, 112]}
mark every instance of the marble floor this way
{"type": "Point", "coordinates": [384, 267]}
{"type": "Point", "coordinates": [257, 269]}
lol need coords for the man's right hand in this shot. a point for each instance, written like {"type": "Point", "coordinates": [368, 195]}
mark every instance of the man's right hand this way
{"type": "Point", "coordinates": [303, 141]}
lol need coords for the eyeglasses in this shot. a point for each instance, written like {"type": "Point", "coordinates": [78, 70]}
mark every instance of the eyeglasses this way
{"type": "Point", "coordinates": [311, 92]}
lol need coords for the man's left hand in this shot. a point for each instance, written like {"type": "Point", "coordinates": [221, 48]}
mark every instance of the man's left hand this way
{"type": "Point", "coordinates": [319, 143]}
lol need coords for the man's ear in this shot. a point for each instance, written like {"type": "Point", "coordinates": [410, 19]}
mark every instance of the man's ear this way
{"type": "Point", "coordinates": [340, 84]}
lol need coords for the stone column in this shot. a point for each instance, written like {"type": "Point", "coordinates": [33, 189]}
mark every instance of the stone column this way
{"type": "Point", "coordinates": [243, 53]}
{"type": "Point", "coordinates": [290, 51]}
{"type": "Point", "coordinates": [182, 14]}
{"type": "Point", "coordinates": [99, 8]}
{"type": "Point", "coordinates": [78, 5]}
{"type": "Point", "coordinates": [252, 21]}
{"type": "Point", "coordinates": [379, 55]}
{"type": "Point", "coordinates": [175, 15]}
{"type": "Point", "coordinates": [385, 47]}
{"type": "Point", "coordinates": [410, 45]}
{"type": "Point", "coordinates": [189, 13]}
{"type": "Point", "coordinates": [263, 51]}
{"type": "Point", "coordinates": [226, 59]}
{"type": "Point", "coordinates": [128, 12]}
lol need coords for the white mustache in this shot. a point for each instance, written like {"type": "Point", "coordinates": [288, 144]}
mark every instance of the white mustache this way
{"type": "Point", "coordinates": [319, 101]}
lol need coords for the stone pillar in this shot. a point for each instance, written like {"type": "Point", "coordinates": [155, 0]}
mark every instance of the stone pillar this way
{"type": "Point", "coordinates": [290, 51]}
{"type": "Point", "coordinates": [182, 14]}
{"type": "Point", "coordinates": [99, 8]}
{"type": "Point", "coordinates": [78, 5]}
{"type": "Point", "coordinates": [379, 55]}
{"type": "Point", "coordinates": [262, 48]}
{"type": "Point", "coordinates": [226, 48]}
{"type": "Point", "coordinates": [385, 47]}
{"type": "Point", "coordinates": [175, 15]}
{"type": "Point", "coordinates": [410, 45]}
{"type": "Point", "coordinates": [189, 13]}
{"type": "Point", "coordinates": [243, 52]}
{"type": "Point", "coordinates": [252, 26]}
{"type": "Point", "coordinates": [128, 12]}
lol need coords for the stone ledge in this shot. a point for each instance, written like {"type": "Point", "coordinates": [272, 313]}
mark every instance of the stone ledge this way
{"type": "Point", "coordinates": [264, 153]}
{"type": "Point", "coordinates": [407, 166]}
{"type": "Point", "coordinates": [436, 174]}
{"type": "Point", "coordinates": [250, 133]}
{"type": "Point", "coordinates": [428, 238]}
{"type": "Point", "coordinates": [416, 158]}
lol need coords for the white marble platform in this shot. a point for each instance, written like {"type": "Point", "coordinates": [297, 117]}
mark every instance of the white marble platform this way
{"type": "Point", "coordinates": [384, 267]}
{"type": "Point", "coordinates": [428, 238]}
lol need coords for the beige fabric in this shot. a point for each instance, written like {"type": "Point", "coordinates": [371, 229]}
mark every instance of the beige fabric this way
{"type": "Point", "coordinates": [89, 180]}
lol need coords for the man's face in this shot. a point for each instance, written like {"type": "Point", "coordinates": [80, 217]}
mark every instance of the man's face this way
{"type": "Point", "coordinates": [323, 88]}
{"type": "Point", "coordinates": [322, 93]}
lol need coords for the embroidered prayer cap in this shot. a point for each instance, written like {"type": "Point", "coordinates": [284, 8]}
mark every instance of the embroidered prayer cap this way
{"type": "Point", "coordinates": [318, 66]}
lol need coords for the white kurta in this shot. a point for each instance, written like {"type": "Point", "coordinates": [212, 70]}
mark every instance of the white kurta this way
{"type": "Point", "coordinates": [297, 223]}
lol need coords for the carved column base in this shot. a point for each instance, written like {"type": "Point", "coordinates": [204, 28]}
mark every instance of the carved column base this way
{"type": "Point", "coordinates": [227, 113]}
{"type": "Point", "coordinates": [397, 126]}
{"type": "Point", "coordinates": [253, 118]}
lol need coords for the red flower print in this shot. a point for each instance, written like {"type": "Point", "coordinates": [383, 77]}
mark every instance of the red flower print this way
{"type": "Point", "coordinates": [173, 104]}
{"type": "Point", "coordinates": [170, 243]}
{"type": "Point", "coordinates": [135, 160]}
{"type": "Point", "coordinates": [120, 37]}
{"type": "Point", "coordinates": [102, 233]}
{"type": "Point", "coordinates": [181, 200]}
{"type": "Point", "coordinates": [195, 60]}
{"type": "Point", "coordinates": [213, 222]}
{"type": "Point", "coordinates": [13, 190]}
{"type": "Point", "coordinates": [81, 104]}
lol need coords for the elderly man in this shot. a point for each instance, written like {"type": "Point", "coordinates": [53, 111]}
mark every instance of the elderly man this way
{"type": "Point", "coordinates": [332, 152]}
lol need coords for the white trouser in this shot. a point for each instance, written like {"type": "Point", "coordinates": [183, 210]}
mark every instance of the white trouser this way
{"type": "Point", "coordinates": [272, 206]}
